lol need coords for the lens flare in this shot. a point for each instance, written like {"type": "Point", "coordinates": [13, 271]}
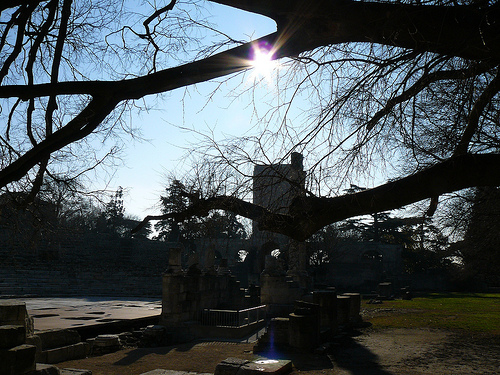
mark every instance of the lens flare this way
{"type": "Point", "coordinates": [262, 60]}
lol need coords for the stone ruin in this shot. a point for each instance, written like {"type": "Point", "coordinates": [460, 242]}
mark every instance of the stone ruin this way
{"type": "Point", "coordinates": [319, 318]}
{"type": "Point", "coordinates": [300, 317]}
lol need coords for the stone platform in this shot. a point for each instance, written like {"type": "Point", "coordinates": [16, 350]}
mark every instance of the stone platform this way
{"type": "Point", "coordinates": [82, 312]}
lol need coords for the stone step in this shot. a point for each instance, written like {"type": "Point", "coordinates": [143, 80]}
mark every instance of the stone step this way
{"type": "Point", "coordinates": [56, 338]}
{"type": "Point", "coordinates": [12, 335]}
{"type": "Point", "coordinates": [65, 353]}
{"type": "Point", "coordinates": [17, 360]}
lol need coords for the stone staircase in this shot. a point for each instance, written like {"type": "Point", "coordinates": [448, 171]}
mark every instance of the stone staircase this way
{"type": "Point", "coordinates": [21, 351]}
{"type": "Point", "coordinates": [58, 345]}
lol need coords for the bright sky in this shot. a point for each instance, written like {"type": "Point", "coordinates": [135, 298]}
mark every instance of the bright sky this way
{"type": "Point", "coordinates": [143, 177]}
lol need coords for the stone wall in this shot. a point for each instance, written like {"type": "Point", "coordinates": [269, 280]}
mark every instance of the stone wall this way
{"type": "Point", "coordinates": [81, 264]}
{"type": "Point", "coordinates": [184, 295]}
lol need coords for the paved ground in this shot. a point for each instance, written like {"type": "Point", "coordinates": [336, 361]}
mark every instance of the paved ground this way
{"type": "Point", "coordinates": [85, 311]}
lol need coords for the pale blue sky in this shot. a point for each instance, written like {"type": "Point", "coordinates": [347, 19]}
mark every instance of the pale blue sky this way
{"type": "Point", "coordinates": [143, 176]}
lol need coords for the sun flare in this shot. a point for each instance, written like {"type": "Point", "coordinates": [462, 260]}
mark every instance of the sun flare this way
{"type": "Point", "coordinates": [262, 60]}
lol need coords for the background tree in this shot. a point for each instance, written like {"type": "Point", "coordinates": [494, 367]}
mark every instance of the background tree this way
{"type": "Point", "coordinates": [217, 225]}
{"type": "Point", "coordinates": [480, 248]}
{"type": "Point", "coordinates": [169, 229]}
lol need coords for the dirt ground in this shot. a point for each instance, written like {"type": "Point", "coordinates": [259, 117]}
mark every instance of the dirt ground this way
{"type": "Point", "coordinates": [366, 352]}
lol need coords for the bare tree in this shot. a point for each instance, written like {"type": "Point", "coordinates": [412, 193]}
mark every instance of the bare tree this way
{"type": "Point", "coordinates": [418, 79]}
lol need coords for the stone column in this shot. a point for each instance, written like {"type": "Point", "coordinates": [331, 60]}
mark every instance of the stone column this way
{"type": "Point", "coordinates": [355, 307]}
{"type": "Point", "coordinates": [297, 265]}
{"type": "Point", "coordinates": [223, 267]}
{"type": "Point", "coordinates": [327, 300]}
{"type": "Point", "coordinates": [209, 264]}
{"type": "Point", "coordinates": [343, 309]}
{"type": "Point", "coordinates": [297, 258]}
{"type": "Point", "coordinates": [303, 330]}
{"type": "Point", "coordinates": [175, 260]}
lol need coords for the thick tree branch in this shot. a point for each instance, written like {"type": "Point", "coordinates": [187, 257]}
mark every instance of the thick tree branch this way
{"type": "Point", "coordinates": [463, 31]}
{"type": "Point", "coordinates": [456, 31]}
{"type": "Point", "coordinates": [309, 214]}
{"type": "Point", "coordinates": [451, 175]}
{"type": "Point", "coordinates": [219, 65]}
{"type": "Point", "coordinates": [202, 207]}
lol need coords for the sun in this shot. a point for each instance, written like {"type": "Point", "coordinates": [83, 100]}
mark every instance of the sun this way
{"type": "Point", "coordinates": [262, 60]}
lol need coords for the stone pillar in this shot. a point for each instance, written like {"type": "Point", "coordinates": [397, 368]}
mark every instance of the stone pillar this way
{"type": "Point", "coordinates": [303, 330]}
{"type": "Point", "coordinates": [354, 307]}
{"type": "Point", "coordinates": [175, 260]}
{"type": "Point", "coordinates": [209, 264]}
{"type": "Point", "coordinates": [223, 267]}
{"type": "Point", "coordinates": [385, 290]}
{"type": "Point", "coordinates": [173, 298]}
{"type": "Point", "coordinates": [343, 309]}
{"type": "Point", "coordinates": [297, 259]}
{"type": "Point", "coordinates": [327, 300]}
{"type": "Point", "coordinates": [193, 263]}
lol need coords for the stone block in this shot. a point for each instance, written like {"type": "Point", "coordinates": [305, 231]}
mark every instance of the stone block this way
{"type": "Point", "coordinates": [230, 366]}
{"type": "Point", "coordinates": [173, 372]}
{"type": "Point", "coordinates": [385, 290]}
{"type": "Point", "coordinates": [104, 344]}
{"type": "Point", "coordinates": [327, 299]}
{"type": "Point", "coordinates": [17, 360]}
{"type": "Point", "coordinates": [107, 340]}
{"type": "Point", "coordinates": [12, 335]}
{"type": "Point", "coordinates": [13, 313]}
{"type": "Point", "coordinates": [36, 341]}
{"type": "Point", "coordinates": [278, 331]}
{"type": "Point", "coordinates": [56, 338]}
{"type": "Point", "coordinates": [45, 369]}
{"type": "Point", "coordinates": [354, 307]}
{"type": "Point", "coordinates": [74, 371]}
{"type": "Point", "coordinates": [266, 367]}
{"type": "Point", "coordinates": [66, 353]}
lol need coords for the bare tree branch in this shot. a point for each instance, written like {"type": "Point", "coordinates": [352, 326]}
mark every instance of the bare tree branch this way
{"type": "Point", "coordinates": [423, 83]}
{"type": "Point", "coordinates": [491, 90]}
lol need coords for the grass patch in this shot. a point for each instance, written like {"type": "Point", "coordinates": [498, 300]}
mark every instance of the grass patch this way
{"type": "Point", "coordinates": [462, 311]}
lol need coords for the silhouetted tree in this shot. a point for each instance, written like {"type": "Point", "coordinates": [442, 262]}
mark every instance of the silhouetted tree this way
{"type": "Point", "coordinates": [414, 79]}
{"type": "Point", "coordinates": [218, 224]}
{"type": "Point", "coordinates": [480, 248]}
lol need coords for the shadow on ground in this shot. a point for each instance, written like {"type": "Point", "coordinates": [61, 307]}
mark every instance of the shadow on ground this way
{"type": "Point", "coordinates": [138, 353]}
{"type": "Point", "coordinates": [357, 359]}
